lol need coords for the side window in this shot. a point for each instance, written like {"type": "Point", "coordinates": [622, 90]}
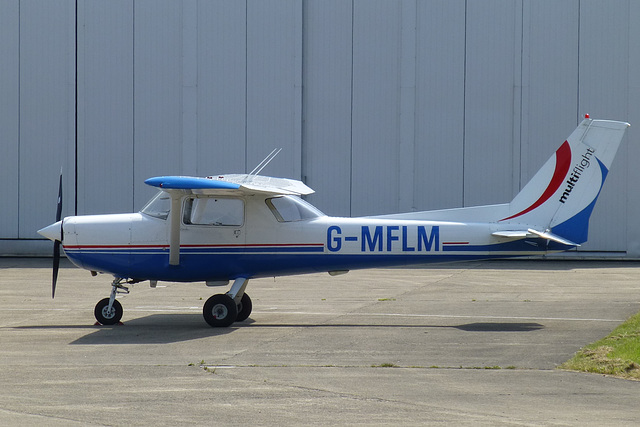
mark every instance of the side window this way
{"type": "Point", "coordinates": [291, 208]}
{"type": "Point", "coordinates": [213, 211]}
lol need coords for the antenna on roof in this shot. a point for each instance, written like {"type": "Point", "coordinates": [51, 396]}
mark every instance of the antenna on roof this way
{"type": "Point", "coordinates": [265, 162]}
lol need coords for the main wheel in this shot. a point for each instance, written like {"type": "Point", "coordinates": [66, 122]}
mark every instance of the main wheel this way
{"type": "Point", "coordinates": [105, 316]}
{"type": "Point", "coordinates": [220, 311]}
{"type": "Point", "coordinates": [244, 308]}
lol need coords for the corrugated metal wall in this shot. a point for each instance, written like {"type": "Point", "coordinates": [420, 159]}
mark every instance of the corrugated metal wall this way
{"type": "Point", "coordinates": [380, 105]}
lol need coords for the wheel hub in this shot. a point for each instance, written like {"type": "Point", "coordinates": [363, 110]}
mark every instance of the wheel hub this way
{"type": "Point", "coordinates": [220, 311]}
{"type": "Point", "coordinates": [108, 314]}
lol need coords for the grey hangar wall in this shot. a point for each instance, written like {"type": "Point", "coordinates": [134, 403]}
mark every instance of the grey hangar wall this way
{"type": "Point", "coordinates": [381, 106]}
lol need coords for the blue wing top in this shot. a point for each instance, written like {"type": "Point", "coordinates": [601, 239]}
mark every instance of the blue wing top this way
{"type": "Point", "coordinates": [190, 183]}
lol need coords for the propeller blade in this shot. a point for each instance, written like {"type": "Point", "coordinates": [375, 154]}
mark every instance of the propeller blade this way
{"type": "Point", "coordinates": [56, 244]}
{"type": "Point", "coordinates": [56, 265]}
{"type": "Point", "coordinates": [59, 210]}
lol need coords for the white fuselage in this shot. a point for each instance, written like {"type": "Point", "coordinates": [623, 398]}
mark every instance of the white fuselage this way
{"type": "Point", "coordinates": [263, 243]}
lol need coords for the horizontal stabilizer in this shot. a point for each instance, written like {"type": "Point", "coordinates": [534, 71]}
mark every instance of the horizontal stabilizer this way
{"type": "Point", "coordinates": [514, 235]}
{"type": "Point", "coordinates": [553, 237]}
{"type": "Point", "coordinates": [531, 233]}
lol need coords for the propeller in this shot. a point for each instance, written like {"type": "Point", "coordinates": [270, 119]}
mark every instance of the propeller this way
{"type": "Point", "coordinates": [57, 243]}
{"type": "Point", "coordinates": [55, 233]}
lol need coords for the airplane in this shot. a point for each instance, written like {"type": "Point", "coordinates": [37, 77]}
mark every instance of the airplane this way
{"type": "Point", "coordinates": [234, 228]}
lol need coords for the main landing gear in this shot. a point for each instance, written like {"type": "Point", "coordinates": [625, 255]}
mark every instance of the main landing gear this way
{"type": "Point", "coordinates": [219, 311]}
{"type": "Point", "coordinates": [222, 310]}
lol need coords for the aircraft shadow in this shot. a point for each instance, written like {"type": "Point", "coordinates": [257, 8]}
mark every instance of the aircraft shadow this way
{"type": "Point", "coordinates": [470, 327]}
{"type": "Point", "coordinates": [500, 327]}
{"type": "Point", "coordinates": [173, 328]}
{"type": "Point", "coordinates": [153, 329]}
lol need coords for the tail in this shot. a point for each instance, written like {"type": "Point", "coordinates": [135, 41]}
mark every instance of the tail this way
{"type": "Point", "coordinates": [557, 203]}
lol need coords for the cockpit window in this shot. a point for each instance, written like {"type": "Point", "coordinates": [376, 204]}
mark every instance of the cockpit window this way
{"type": "Point", "coordinates": [292, 208]}
{"type": "Point", "coordinates": [159, 206]}
{"type": "Point", "coordinates": [208, 210]}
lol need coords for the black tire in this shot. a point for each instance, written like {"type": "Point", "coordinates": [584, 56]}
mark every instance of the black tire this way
{"type": "Point", "coordinates": [108, 318]}
{"type": "Point", "coordinates": [220, 311]}
{"type": "Point", "coordinates": [244, 308]}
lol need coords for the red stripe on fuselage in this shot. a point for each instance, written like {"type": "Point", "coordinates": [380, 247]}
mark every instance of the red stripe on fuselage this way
{"type": "Point", "coordinates": [563, 162]}
{"type": "Point", "coordinates": [231, 245]}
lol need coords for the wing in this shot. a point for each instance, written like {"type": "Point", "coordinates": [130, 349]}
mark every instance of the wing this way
{"type": "Point", "coordinates": [242, 183]}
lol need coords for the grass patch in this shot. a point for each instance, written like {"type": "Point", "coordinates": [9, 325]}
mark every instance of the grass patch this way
{"type": "Point", "coordinates": [618, 354]}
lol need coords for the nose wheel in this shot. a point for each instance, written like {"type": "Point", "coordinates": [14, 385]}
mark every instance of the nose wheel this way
{"type": "Point", "coordinates": [106, 315]}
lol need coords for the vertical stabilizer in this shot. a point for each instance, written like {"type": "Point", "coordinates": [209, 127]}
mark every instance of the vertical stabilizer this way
{"type": "Point", "coordinates": [561, 196]}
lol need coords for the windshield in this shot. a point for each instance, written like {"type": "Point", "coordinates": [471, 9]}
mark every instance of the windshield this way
{"type": "Point", "coordinates": [292, 208]}
{"type": "Point", "coordinates": [159, 206]}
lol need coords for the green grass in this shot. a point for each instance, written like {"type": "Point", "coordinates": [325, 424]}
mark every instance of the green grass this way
{"type": "Point", "coordinates": [618, 354]}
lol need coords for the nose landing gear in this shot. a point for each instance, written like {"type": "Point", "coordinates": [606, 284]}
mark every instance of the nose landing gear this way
{"type": "Point", "coordinates": [109, 311]}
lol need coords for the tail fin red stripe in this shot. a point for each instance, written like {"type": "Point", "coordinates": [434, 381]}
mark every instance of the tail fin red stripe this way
{"type": "Point", "coordinates": [563, 162]}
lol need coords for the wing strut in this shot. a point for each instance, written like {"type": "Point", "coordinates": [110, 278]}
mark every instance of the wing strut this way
{"type": "Point", "coordinates": [174, 237]}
